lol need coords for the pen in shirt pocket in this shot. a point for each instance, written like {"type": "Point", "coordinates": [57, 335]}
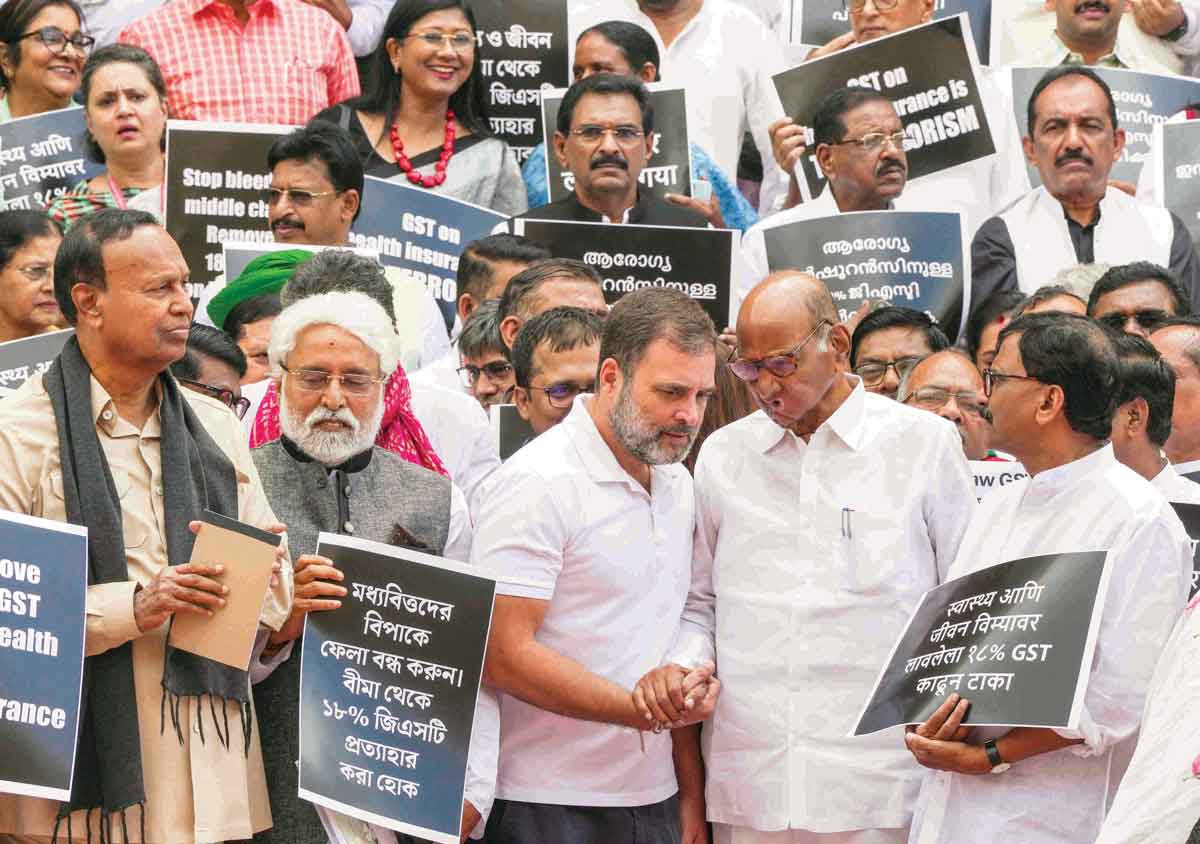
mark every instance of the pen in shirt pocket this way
{"type": "Point", "coordinates": [847, 526]}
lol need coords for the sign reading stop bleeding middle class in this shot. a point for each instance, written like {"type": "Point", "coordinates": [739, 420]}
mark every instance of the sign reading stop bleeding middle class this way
{"type": "Point", "coordinates": [1015, 639]}
{"type": "Point", "coordinates": [932, 79]}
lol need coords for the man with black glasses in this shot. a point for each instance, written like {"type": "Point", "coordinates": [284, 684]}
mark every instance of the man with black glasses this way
{"type": "Point", "coordinates": [554, 360]}
{"type": "Point", "coordinates": [485, 372]}
{"type": "Point", "coordinates": [213, 365]}
{"type": "Point", "coordinates": [1136, 298]}
{"type": "Point", "coordinates": [948, 384]}
{"type": "Point", "coordinates": [821, 520]}
{"type": "Point", "coordinates": [889, 342]}
{"type": "Point", "coordinates": [1052, 391]}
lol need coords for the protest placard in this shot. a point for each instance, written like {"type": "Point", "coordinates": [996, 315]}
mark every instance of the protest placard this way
{"type": "Point", "coordinates": [931, 76]}
{"type": "Point", "coordinates": [1175, 156]}
{"type": "Point", "coordinates": [669, 169]}
{"type": "Point", "coordinates": [41, 158]}
{"type": "Point", "coordinates": [388, 685]}
{"type": "Point", "coordinates": [216, 176]}
{"type": "Point", "coordinates": [1015, 639]}
{"type": "Point", "coordinates": [917, 259]}
{"type": "Point", "coordinates": [698, 262]}
{"type": "Point", "coordinates": [1189, 514]}
{"type": "Point", "coordinates": [29, 356]}
{"type": "Point", "coordinates": [522, 52]}
{"type": "Point", "coordinates": [237, 255]}
{"type": "Point", "coordinates": [422, 232]}
{"type": "Point", "coordinates": [993, 475]}
{"type": "Point", "coordinates": [1143, 101]}
{"type": "Point", "coordinates": [43, 593]}
{"type": "Point", "coordinates": [817, 22]}
{"type": "Point", "coordinates": [509, 431]}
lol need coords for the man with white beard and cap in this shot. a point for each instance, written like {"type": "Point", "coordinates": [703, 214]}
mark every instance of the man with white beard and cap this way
{"type": "Point", "coordinates": [330, 355]}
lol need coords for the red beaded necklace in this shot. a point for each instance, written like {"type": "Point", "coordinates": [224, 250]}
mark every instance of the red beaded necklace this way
{"type": "Point", "coordinates": [444, 159]}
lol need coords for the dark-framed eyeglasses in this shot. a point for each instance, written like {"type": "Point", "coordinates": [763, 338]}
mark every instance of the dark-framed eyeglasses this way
{"type": "Point", "coordinates": [37, 272]}
{"type": "Point", "coordinates": [299, 198]}
{"type": "Point", "coordinates": [495, 371]}
{"type": "Point", "coordinates": [875, 141]}
{"type": "Point", "coordinates": [873, 373]}
{"type": "Point", "coordinates": [460, 42]}
{"type": "Point", "coordinates": [781, 366]}
{"type": "Point", "coordinates": [1148, 318]}
{"type": "Point", "coordinates": [881, 5]}
{"type": "Point", "coordinates": [56, 41]}
{"type": "Point", "coordinates": [991, 377]}
{"type": "Point", "coordinates": [935, 398]}
{"type": "Point", "coordinates": [318, 380]}
{"type": "Point", "coordinates": [238, 404]}
{"type": "Point", "coordinates": [623, 135]}
{"type": "Point", "coordinates": [562, 394]}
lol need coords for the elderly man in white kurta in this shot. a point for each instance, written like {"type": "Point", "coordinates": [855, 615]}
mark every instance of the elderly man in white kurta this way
{"type": "Point", "coordinates": [1052, 392]}
{"type": "Point", "coordinates": [821, 520]}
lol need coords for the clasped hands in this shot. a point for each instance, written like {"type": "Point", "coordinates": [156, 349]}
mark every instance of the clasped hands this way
{"type": "Point", "coordinates": [671, 697]}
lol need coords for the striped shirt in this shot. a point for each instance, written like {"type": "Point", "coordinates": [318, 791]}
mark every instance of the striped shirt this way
{"type": "Point", "coordinates": [282, 66]}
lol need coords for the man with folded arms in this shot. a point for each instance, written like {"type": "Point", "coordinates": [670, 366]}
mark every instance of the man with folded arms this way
{"type": "Point", "coordinates": [1052, 390]}
{"type": "Point", "coordinates": [820, 522]}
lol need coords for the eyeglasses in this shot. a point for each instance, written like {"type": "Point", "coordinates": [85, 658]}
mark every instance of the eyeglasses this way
{"type": "Point", "coordinates": [991, 376]}
{"type": "Point", "coordinates": [56, 41]}
{"type": "Point", "coordinates": [1149, 319]}
{"type": "Point", "coordinates": [562, 394]}
{"type": "Point", "coordinates": [881, 5]}
{"type": "Point", "coordinates": [459, 41]}
{"type": "Point", "coordinates": [299, 198]}
{"type": "Point", "coordinates": [872, 374]}
{"type": "Point", "coordinates": [623, 135]}
{"type": "Point", "coordinates": [935, 398]}
{"type": "Point", "coordinates": [781, 366]}
{"type": "Point", "coordinates": [317, 381]}
{"type": "Point", "coordinates": [238, 404]}
{"type": "Point", "coordinates": [495, 370]}
{"type": "Point", "coordinates": [875, 141]}
{"type": "Point", "coordinates": [37, 272]}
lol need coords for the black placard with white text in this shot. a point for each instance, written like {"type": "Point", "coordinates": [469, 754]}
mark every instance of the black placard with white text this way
{"type": "Point", "coordinates": [1178, 172]}
{"type": "Point", "coordinates": [1189, 514]}
{"type": "Point", "coordinates": [1143, 100]}
{"type": "Point", "coordinates": [43, 593]}
{"type": "Point", "coordinates": [1015, 639]}
{"type": "Point", "coordinates": [41, 158]}
{"type": "Point", "coordinates": [216, 173]}
{"type": "Point", "coordinates": [510, 433]}
{"type": "Point", "coordinates": [522, 52]}
{"type": "Point", "coordinates": [917, 259]}
{"type": "Point", "coordinates": [669, 169]}
{"type": "Point", "coordinates": [818, 22]}
{"type": "Point", "coordinates": [929, 75]}
{"type": "Point", "coordinates": [22, 359]}
{"type": "Point", "coordinates": [388, 686]}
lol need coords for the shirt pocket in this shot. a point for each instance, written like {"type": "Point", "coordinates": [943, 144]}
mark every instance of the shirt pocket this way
{"type": "Point", "coordinates": [304, 84]}
{"type": "Point", "coordinates": [134, 532]}
{"type": "Point", "coordinates": [871, 553]}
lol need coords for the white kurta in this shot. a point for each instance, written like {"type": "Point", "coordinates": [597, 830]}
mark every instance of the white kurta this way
{"type": "Point", "coordinates": [803, 605]}
{"type": "Point", "coordinates": [1159, 800]}
{"type": "Point", "coordinates": [1094, 503]}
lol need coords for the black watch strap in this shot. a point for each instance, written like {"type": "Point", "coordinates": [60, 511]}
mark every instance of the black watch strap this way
{"type": "Point", "coordinates": [993, 753]}
{"type": "Point", "coordinates": [1178, 32]}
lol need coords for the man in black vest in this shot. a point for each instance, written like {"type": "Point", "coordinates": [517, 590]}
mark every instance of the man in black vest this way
{"type": "Point", "coordinates": [603, 137]}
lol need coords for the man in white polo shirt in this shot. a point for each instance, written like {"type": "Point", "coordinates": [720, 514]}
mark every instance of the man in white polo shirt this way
{"type": "Point", "coordinates": [594, 520]}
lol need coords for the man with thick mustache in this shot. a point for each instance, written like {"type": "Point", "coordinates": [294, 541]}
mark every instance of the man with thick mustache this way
{"type": "Point", "coordinates": [604, 138]}
{"type": "Point", "coordinates": [860, 149]}
{"type": "Point", "coordinates": [1075, 217]}
{"type": "Point", "coordinates": [1090, 32]}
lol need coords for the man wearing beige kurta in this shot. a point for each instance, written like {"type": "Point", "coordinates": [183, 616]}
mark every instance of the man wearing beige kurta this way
{"type": "Point", "coordinates": [196, 789]}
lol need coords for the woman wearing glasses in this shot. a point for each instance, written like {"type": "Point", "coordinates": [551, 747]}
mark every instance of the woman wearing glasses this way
{"type": "Point", "coordinates": [125, 102]}
{"type": "Point", "coordinates": [42, 50]}
{"type": "Point", "coordinates": [28, 244]}
{"type": "Point", "coordinates": [423, 119]}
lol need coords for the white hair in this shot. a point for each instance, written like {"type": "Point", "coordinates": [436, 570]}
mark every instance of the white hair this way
{"type": "Point", "coordinates": [356, 313]}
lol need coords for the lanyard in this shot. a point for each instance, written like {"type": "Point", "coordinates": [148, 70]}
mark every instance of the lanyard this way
{"type": "Point", "coordinates": [118, 196]}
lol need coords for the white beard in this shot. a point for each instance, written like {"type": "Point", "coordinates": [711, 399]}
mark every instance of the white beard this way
{"type": "Point", "coordinates": [330, 448]}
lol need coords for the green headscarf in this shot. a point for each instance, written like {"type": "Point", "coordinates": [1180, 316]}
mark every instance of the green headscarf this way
{"type": "Point", "coordinates": [265, 274]}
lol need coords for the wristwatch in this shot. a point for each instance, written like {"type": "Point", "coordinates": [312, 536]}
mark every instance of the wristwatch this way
{"type": "Point", "coordinates": [1179, 31]}
{"type": "Point", "coordinates": [999, 766]}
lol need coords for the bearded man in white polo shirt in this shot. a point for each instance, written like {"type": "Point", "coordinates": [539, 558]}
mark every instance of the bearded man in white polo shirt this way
{"type": "Point", "coordinates": [593, 521]}
{"type": "Point", "coordinates": [821, 520]}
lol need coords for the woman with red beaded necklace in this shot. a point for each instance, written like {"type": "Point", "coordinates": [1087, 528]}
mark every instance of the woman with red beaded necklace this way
{"type": "Point", "coordinates": [423, 116]}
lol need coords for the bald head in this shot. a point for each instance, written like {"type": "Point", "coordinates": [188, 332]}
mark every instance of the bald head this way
{"type": "Point", "coordinates": [785, 297]}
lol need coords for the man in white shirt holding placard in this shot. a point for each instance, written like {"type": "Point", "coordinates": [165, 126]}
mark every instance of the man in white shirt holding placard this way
{"type": "Point", "coordinates": [1052, 394]}
{"type": "Point", "coordinates": [821, 520]}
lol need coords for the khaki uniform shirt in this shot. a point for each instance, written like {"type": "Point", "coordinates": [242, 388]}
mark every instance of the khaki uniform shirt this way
{"type": "Point", "coordinates": [198, 791]}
